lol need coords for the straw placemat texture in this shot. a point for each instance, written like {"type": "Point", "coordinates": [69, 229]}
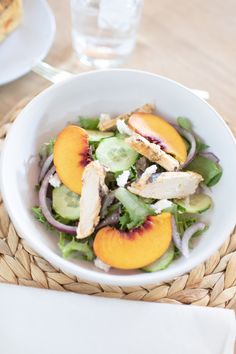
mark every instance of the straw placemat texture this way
{"type": "Point", "coordinates": [212, 283]}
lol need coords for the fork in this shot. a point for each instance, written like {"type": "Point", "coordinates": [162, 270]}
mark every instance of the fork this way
{"type": "Point", "coordinates": [55, 75]}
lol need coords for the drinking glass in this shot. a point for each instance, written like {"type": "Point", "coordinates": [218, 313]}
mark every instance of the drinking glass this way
{"type": "Point", "coordinates": [104, 31]}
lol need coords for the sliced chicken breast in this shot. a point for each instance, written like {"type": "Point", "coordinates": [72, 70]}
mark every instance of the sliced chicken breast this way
{"type": "Point", "coordinates": [167, 185]}
{"type": "Point", "coordinates": [152, 152]}
{"type": "Point", "coordinates": [110, 124]}
{"type": "Point", "coordinates": [93, 188]}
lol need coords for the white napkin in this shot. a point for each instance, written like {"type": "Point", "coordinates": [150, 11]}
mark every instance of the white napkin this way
{"type": "Point", "coordinates": [34, 321]}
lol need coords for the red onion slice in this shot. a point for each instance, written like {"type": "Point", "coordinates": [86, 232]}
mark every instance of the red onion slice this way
{"type": "Point", "coordinates": [198, 226]}
{"type": "Point", "coordinates": [191, 139]}
{"type": "Point", "coordinates": [46, 209]}
{"type": "Point", "coordinates": [175, 235]}
{"type": "Point", "coordinates": [45, 167]}
{"type": "Point", "coordinates": [210, 156]}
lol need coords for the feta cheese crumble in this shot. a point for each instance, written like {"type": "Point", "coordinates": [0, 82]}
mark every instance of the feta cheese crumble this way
{"type": "Point", "coordinates": [104, 117]}
{"type": "Point", "coordinates": [161, 205]}
{"type": "Point", "coordinates": [123, 127]}
{"type": "Point", "coordinates": [54, 180]}
{"type": "Point", "coordinates": [101, 265]}
{"type": "Point", "coordinates": [122, 179]}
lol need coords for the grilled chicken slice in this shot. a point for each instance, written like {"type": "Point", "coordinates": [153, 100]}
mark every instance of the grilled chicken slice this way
{"type": "Point", "coordinates": [93, 188]}
{"type": "Point", "coordinates": [110, 124]}
{"type": "Point", "coordinates": [152, 152]}
{"type": "Point", "coordinates": [167, 185]}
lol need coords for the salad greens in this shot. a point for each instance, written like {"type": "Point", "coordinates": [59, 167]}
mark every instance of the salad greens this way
{"type": "Point", "coordinates": [208, 169]}
{"type": "Point", "coordinates": [183, 220]}
{"type": "Point", "coordinates": [88, 123]}
{"type": "Point", "coordinates": [136, 211]}
{"type": "Point", "coordinates": [121, 206]}
{"type": "Point", "coordinates": [37, 212]}
{"type": "Point", "coordinates": [74, 248]}
{"type": "Point", "coordinates": [184, 123]}
{"type": "Point", "coordinates": [68, 245]}
{"type": "Point", "coordinates": [47, 149]}
{"type": "Point", "coordinates": [200, 146]}
{"type": "Point", "coordinates": [133, 173]}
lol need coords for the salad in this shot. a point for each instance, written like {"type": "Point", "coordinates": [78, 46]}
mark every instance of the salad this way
{"type": "Point", "coordinates": [126, 192]}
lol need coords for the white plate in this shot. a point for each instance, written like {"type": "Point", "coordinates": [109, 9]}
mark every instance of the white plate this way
{"type": "Point", "coordinates": [29, 43]}
{"type": "Point", "coordinates": [114, 92]}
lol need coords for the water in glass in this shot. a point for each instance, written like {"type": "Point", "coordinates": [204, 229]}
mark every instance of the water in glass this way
{"type": "Point", "coordinates": [104, 31]}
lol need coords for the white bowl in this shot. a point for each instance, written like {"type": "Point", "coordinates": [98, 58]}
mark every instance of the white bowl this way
{"type": "Point", "coordinates": [112, 91]}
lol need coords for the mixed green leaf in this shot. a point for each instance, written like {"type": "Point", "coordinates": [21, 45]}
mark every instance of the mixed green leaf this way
{"type": "Point", "coordinates": [72, 248]}
{"type": "Point", "coordinates": [47, 149]}
{"type": "Point", "coordinates": [88, 123]}
{"type": "Point", "coordinates": [135, 210]}
{"type": "Point", "coordinates": [208, 169]}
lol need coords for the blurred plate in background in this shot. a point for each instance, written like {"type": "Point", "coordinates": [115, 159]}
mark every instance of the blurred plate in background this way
{"type": "Point", "coordinates": [29, 43]}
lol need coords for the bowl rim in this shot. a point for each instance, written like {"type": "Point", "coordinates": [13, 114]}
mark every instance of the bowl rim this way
{"type": "Point", "coordinates": [80, 271]}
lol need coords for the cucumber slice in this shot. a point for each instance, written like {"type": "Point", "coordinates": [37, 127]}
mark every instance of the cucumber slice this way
{"type": "Point", "coordinates": [65, 203]}
{"type": "Point", "coordinates": [115, 154]}
{"type": "Point", "coordinates": [96, 135]}
{"type": "Point", "coordinates": [163, 262]}
{"type": "Point", "coordinates": [196, 203]}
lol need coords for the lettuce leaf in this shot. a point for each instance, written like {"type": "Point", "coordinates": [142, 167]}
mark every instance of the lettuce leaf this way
{"type": "Point", "coordinates": [124, 220]}
{"type": "Point", "coordinates": [184, 123]}
{"type": "Point", "coordinates": [135, 211]}
{"type": "Point", "coordinates": [47, 149]}
{"type": "Point", "coordinates": [208, 169]}
{"type": "Point", "coordinates": [75, 248]}
{"type": "Point", "coordinates": [38, 215]}
{"type": "Point", "coordinates": [200, 146]}
{"type": "Point", "coordinates": [183, 220]}
{"type": "Point", "coordinates": [89, 123]}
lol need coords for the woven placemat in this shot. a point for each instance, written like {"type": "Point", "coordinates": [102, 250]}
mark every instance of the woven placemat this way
{"type": "Point", "coordinates": [212, 283]}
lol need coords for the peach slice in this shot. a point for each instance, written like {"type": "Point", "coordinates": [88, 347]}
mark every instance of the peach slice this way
{"type": "Point", "coordinates": [136, 248]}
{"type": "Point", "coordinates": [71, 155]}
{"type": "Point", "coordinates": [157, 130]}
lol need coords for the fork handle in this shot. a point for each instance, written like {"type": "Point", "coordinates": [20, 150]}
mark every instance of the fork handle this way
{"type": "Point", "coordinates": [50, 73]}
